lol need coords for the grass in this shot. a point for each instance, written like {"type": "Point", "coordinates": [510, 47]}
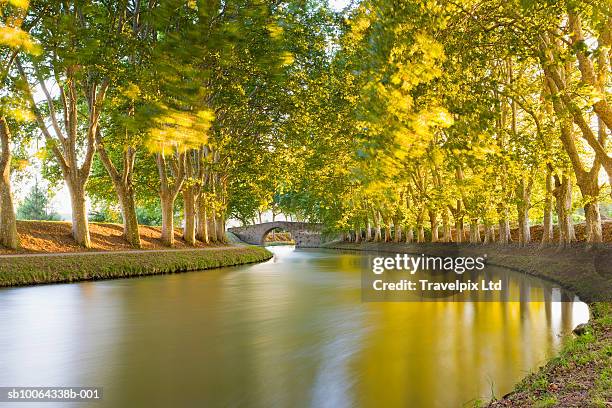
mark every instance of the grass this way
{"type": "Point", "coordinates": [29, 270]}
{"type": "Point", "coordinates": [581, 375]}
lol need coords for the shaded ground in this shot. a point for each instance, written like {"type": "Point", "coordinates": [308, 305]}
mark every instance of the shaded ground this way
{"type": "Point", "coordinates": [56, 236]}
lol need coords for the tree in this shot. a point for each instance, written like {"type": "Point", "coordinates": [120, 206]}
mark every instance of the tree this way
{"type": "Point", "coordinates": [13, 41]}
{"type": "Point", "coordinates": [77, 57]}
{"type": "Point", "coordinates": [36, 206]}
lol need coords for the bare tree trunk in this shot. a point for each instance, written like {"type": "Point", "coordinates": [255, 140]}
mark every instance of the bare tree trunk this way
{"type": "Point", "coordinates": [459, 227]}
{"type": "Point", "coordinates": [220, 228]}
{"type": "Point", "coordinates": [398, 231]}
{"type": "Point", "coordinates": [474, 231]}
{"type": "Point", "coordinates": [189, 209]}
{"type": "Point", "coordinates": [504, 224]}
{"type": "Point", "coordinates": [489, 234]}
{"type": "Point", "coordinates": [8, 224]}
{"type": "Point", "coordinates": [388, 237]}
{"type": "Point", "coordinates": [80, 225]}
{"type": "Point", "coordinates": [523, 207]}
{"type": "Point", "coordinates": [446, 229]}
{"type": "Point", "coordinates": [547, 234]}
{"type": "Point", "coordinates": [203, 220]}
{"type": "Point", "coordinates": [357, 233]}
{"type": "Point", "coordinates": [433, 222]}
{"type": "Point", "coordinates": [409, 235]}
{"type": "Point", "coordinates": [125, 191]}
{"type": "Point", "coordinates": [167, 210]}
{"type": "Point", "coordinates": [168, 191]}
{"type": "Point", "coordinates": [589, 187]}
{"type": "Point", "coordinates": [368, 231]}
{"type": "Point", "coordinates": [130, 219]}
{"type": "Point", "coordinates": [378, 231]}
{"type": "Point", "coordinates": [563, 197]}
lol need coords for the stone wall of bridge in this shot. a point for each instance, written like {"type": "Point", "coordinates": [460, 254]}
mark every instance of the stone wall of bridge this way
{"type": "Point", "coordinates": [305, 235]}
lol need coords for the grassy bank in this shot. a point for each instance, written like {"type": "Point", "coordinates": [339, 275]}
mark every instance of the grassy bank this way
{"type": "Point", "coordinates": [581, 374]}
{"type": "Point", "coordinates": [56, 268]}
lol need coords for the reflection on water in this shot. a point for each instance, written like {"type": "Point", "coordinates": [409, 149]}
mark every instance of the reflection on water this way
{"type": "Point", "coordinates": [289, 332]}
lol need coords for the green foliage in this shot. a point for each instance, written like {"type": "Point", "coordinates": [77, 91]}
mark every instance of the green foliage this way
{"type": "Point", "coordinates": [36, 206]}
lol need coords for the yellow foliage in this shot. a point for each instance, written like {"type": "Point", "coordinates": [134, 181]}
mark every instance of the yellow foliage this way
{"type": "Point", "coordinates": [22, 4]}
{"type": "Point", "coordinates": [275, 31]}
{"type": "Point", "coordinates": [14, 37]}
{"type": "Point", "coordinates": [184, 130]}
{"type": "Point", "coordinates": [287, 58]}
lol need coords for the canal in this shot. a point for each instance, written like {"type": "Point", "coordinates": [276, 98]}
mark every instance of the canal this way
{"type": "Point", "coordinates": [291, 332]}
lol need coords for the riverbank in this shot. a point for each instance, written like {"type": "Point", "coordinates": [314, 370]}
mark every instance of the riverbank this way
{"type": "Point", "coordinates": [581, 374]}
{"type": "Point", "coordinates": [20, 270]}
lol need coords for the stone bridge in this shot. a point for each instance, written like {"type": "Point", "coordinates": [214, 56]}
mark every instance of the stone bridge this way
{"type": "Point", "coordinates": [305, 235]}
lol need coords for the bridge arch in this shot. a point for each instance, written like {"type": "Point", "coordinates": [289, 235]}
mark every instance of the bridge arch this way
{"type": "Point", "coordinates": [304, 234]}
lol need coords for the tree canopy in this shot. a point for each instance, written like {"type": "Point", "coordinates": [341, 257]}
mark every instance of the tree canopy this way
{"type": "Point", "coordinates": [404, 120]}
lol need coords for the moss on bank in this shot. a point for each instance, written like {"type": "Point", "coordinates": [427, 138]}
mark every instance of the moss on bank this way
{"type": "Point", "coordinates": [581, 374]}
{"type": "Point", "coordinates": [55, 268]}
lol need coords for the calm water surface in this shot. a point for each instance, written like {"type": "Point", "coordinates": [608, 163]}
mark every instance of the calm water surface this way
{"type": "Point", "coordinates": [291, 332]}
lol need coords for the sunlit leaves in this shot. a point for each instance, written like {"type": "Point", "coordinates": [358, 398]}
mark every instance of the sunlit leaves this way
{"type": "Point", "coordinates": [184, 130]}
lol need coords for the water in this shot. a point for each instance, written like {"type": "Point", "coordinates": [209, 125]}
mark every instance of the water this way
{"type": "Point", "coordinates": [291, 332]}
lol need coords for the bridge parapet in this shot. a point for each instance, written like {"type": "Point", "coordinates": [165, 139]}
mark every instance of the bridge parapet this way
{"type": "Point", "coordinates": [305, 234]}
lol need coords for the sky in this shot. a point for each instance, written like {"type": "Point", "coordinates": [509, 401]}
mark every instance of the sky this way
{"type": "Point", "coordinates": [339, 4]}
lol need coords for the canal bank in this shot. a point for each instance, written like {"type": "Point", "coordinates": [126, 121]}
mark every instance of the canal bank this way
{"type": "Point", "coordinates": [32, 269]}
{"type": "Point", "coordinates": [581, 374]}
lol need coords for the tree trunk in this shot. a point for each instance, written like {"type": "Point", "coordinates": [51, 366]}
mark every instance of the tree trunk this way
{"type": "Point", "coordinates": [220, 227]}
{"type": "Point", "coordinates": [8, 224]}
{"type": "Point", "coordinates": [167, 210]}
{"type": "Point", "coordinates": [398, 232]}
{"type": "Point", "coordinates": [124, 189]}
{"type": "Point", "coordinates": [433, 221]}
{"type": "Point", "coordinates": [489, 234]}
{"type": "Point", "coordinates": [446, 229]}
{"type": "Point", "coordinates": [203, 220]}
{"type": "Point", "coordinates": [357, 233]}
{"type": "Point", "coordinates": [563, 198]}
{"type": "Point", "coordinates": [378, 230]}
{"type": "Point", "coordinates": [504, 225]}
{"type": "Point", "coordinates": [474, 231]}
{"type": "Point", "coordinates": [189, 209]}
{"type": "Point", "coordinates": [368, 231]}
{"type": "Point", "coordinates": [589, 189]}
{"type": "Point", "coordinates": [547, 225]}
{"type": "Point", "coordinates": [168, 191]}
{"type": "Point", "coordinates": [80, 225]}
{"type": "Point", "coordinates": [130, 220]}
{"type": "Point", "coordinates": [459, 228]}
{"type": "Point", "coordinates": [212, 225]}
{"type": "Point", "coordinates": [523, 205]}
{"type": "Point", "coordinates": [409, 235]}
{"type": "Point", "coordinates": [388, 237]}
